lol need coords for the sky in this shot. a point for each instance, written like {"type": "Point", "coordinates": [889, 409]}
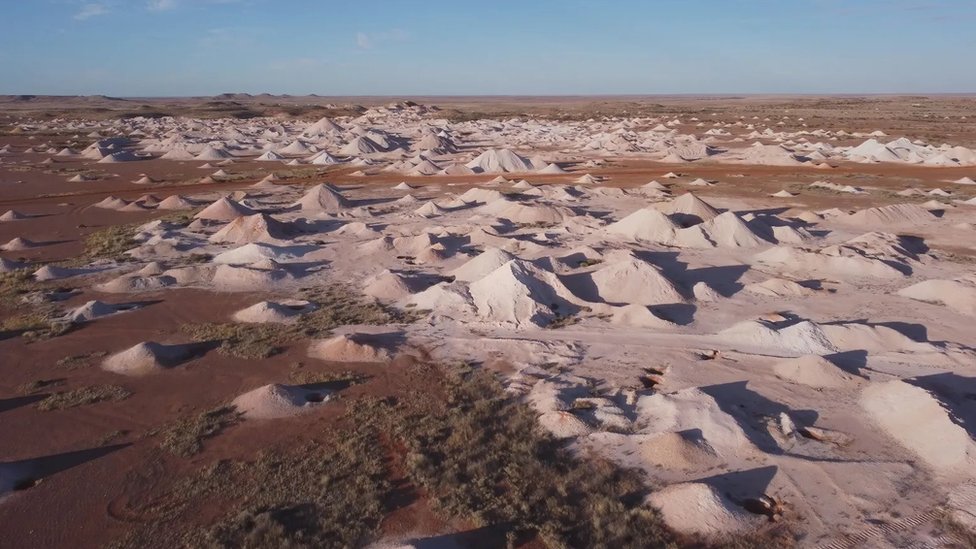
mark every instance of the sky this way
{"type": "Point", "coordinates": [164, 48]}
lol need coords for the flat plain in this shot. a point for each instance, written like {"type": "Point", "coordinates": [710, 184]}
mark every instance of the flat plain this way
{"type": "Point", "coordinates": [469, 321]}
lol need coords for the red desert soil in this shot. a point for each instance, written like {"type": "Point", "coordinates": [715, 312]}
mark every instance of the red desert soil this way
{"type": "Point", "coordinates": [94, 501]}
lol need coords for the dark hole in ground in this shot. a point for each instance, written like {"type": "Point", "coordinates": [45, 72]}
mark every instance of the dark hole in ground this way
{"type": "Point", "coordinates": [649, 381]}
{"type": "Point", "coordinates": [26, 484]}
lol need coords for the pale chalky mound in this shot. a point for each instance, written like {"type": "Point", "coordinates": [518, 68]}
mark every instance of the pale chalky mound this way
{"type": "Point", "coordinates": [696, 508]}
{"type": "Point", "coordinates": [352, 348]}
{"type": "Point", "coordinates": [276, 401]}
{"type": "Point", "coordinates": [915, 418]}
{"type": "Point", "coordinates": [813, 371]}
{"type": "Point", "coordinates": [678, 450]}
{"type": "Point", "coordinates": [146, 358]}
{"type": "Point", "coordinates": [958, 295]}
{"type": "Point", "coordinates": [283, 312]}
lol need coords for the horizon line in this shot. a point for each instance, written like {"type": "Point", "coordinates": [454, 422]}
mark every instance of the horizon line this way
{"type": "Point", "coordinates": [507, 95]}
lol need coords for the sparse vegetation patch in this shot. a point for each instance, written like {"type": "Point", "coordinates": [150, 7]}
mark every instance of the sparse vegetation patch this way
{"type": "Point", "coordinates": [185, 437]}
{"type": "Point", "coordinates": [83, 396]}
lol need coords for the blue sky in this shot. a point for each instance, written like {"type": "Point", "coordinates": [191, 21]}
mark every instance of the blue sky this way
{"type": "Point", "coordinates": [435, 47]}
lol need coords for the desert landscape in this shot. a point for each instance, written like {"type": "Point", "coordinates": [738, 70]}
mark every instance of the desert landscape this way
{"type": "Point", "coordinates": [268, 321]}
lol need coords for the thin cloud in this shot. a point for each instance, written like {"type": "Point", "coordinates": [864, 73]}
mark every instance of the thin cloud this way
{"type": "Point", "coordinates": [167, 5]}
{"type": "Point", "coordinates": [161, 5]}
{"type": "Point", "coordinates": [229, 38]}
{"type": "Point", "coordinates": [91, 10]}
{"type": "Point", "coordinates": [362, 41]}
{"type": "Point", "coordinates": [367, 41]}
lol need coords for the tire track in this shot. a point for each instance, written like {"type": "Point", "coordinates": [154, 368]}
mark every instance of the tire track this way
{"type": "Point", "coordinates": [967, 499]}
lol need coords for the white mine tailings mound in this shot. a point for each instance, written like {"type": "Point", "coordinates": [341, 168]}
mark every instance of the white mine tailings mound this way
{"type": "Point", "coordinates": [696, 508]}
{"type": "Point", "coordinates": [53, 272]}
{"type": "Point", "coordinates": [17, 244]}
{"type": "Point", "coordinates": [175, 202]}
{"type": "Point", "coordinates": [501, 161]}
{"type": "Point", "coordinates": [520, 293]}
{"type": "Point", "coordinates": [678, 450]}
{"type": "Point", "coordinates": [638, 316]}
{"type": "Point", "coordinates": [706, 228]}
{"type": "Point", "coordinates": [93, 310]}
{"type": "Point", "coordinates": [553, 169]}
{"type": "Point", "coordinates": [778, 287]}
{"type": "Point", "coordinates": [254, 252]}
{"type": "Point", "coordinates": [803, 337]}
{"type": "Point", "coordinates": [12, 215]}
{"type": "Point", "coordinates": [360, 145]}
{"type": "Point", "coordinates": [528, 213]}
{"type": "Point", "coordinates": [146, 358]}
{"type": "Point", "coordinates": [562, 424]}
{"type": "Point", "coordinates": [211, 153]}
{"type": "Point", "coordinates": [727, 230]}
{"type": "Point", "coordinates": [633, 281]}
{"type": "Point", "coordinates": [323, 198]}
{"type": "Point", "coordinates": [915, 418]}
{"type": "Point", "coordinates": [365, 348]}
{"type": "Point", "coordinates": [834, 262]}
{"type": "Point", "coordinates": [482, 265]}
{"type": "Point", "coordinates": [806, 337]}
{"type": "Point", "coordinates": [390, 286]}
{"type": "Point", "coordinates": [853, 336]}
{"type": "Point", "coordinates": [647, 225]}
{"type": "Point", "coordinates": [277, 401]}
{"type": "Point", "coordinates": [688, 209]}
{"type": "Point", "coordinates": [224, 209]}
{"type": "Point", "coordinates": [252, 228]}
{"type": "Point", "coordinates": [284, 312]}
{"type": "Point", "coordinates": [896, 214]}
{"type": "Point", "coordinates": [958, 295]}
{"type": "Point", "coordinates": [693, 410]}
{"type": "Point", "coordinates": [813, 371]}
